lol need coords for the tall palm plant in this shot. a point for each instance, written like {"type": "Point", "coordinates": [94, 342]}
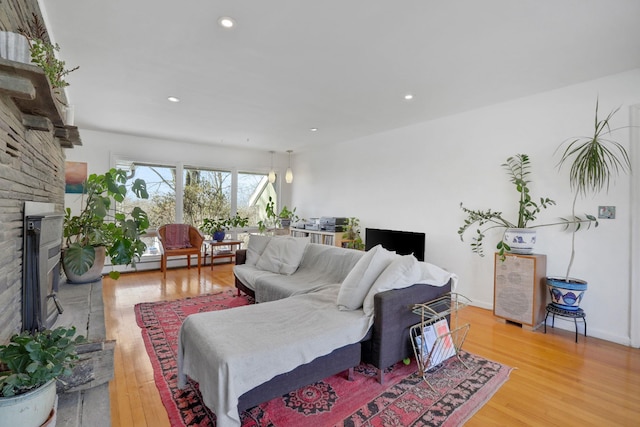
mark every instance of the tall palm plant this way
{"type": "Point", "coordinates": [594, 161]}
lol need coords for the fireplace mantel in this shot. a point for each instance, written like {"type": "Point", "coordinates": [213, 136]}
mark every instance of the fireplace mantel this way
{"type": "Point", "coordinates": [28, 87]}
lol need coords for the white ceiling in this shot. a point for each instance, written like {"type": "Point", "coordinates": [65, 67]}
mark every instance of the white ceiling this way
{"type": "Point", "coordinates": [342, 66]}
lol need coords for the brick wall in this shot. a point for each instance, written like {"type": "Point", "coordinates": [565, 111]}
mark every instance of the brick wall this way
{"type": "Point", "coordinates": [31, 169]}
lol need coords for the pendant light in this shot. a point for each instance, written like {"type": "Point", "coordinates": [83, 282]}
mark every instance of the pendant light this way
{"type": "Point", "coordinates": [272, 173]}
{"type": "Point", "coordinates": [288, 177]}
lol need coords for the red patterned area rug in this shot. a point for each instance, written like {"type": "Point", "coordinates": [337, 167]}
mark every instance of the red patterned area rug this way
{"type": "Point", "coordinates": [404, 400]}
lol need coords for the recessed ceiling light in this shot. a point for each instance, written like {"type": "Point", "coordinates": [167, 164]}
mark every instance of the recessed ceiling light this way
{"type": "Point", "coordinates": [173, 99]}
{"type": "Point", "coordinates": [313, 129]}
{"type": "Point", "coordinates": [226, 22]}
{"type": "Point", "coordinates": [408, 97]}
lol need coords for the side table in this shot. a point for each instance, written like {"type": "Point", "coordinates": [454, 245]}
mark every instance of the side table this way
{"type": "Point", "coordinates": [221, 249]}
{"type": "Point", "coordinates": [570, 314]}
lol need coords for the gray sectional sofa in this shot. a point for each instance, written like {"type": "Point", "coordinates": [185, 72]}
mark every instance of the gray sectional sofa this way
{"type": "Point", "coordinates": [387, 341]}
{"type": "Point", "coordinates": [319, 310]}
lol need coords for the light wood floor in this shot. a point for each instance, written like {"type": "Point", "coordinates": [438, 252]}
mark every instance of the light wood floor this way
{"type": "Point", "coordinates": [556, 381]}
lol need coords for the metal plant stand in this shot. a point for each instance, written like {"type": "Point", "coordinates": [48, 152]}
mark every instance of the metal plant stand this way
{"type": "Point", "coordinates": [569, 314]}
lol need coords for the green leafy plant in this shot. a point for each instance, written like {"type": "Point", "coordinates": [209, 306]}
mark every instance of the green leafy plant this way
{"type": "Point", "coordinates": [95, 226]}
{"type": "Point", "coordinates": [286, 216]}
{"type": "Point", "coordinates": [352, 234]}
{"type": "Point", "coordinates": [271, 218]}
{"type": "Point", "coordinates": [594, 160]}
{"type": "Point", "coordinates": [212, 225]}
{"type": "Point", "coordinates": [30, 360]}
{"type": "Point", "coordinates": [239, 221]}
{"type": "Point", "coordinates": [43, 53]}
{"type": "Point", "coordinates": [518, 169]}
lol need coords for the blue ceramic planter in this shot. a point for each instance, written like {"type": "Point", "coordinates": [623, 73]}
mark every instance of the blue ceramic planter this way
{"type": "Point", "coordinates": [218, 236]}
{"type": "Point", "coordinates": [566, 294]}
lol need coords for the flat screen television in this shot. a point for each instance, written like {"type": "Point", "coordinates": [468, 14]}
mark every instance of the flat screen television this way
{"type": "Point", "coordinates": [402, 242]}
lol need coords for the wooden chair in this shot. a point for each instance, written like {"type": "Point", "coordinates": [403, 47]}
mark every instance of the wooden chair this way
{"type": "Point", "coordinates": [180, 239]}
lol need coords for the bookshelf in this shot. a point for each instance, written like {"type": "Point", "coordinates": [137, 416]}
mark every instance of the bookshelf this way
{"type": "Point", "coordinates": [322, 237]}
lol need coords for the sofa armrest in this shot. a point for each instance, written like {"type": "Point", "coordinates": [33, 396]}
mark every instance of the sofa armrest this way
{"type": "Point", "coordinates": [393, 317]}
{"type": "Point", "coordinates": [241, 256]}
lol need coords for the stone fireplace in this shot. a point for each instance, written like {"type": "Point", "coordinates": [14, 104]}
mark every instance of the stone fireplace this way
{"type": "Point", "coordinates": [31, 167]}
{"type": "Point", "coordinates": [41, 266]}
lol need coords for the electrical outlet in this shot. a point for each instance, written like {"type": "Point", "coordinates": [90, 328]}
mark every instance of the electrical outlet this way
{"type": "Point", "coordinates": [606, 212]}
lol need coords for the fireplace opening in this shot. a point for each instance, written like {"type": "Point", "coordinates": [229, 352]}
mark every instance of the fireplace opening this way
{"type": "Point", "coordinates": [41, 266]}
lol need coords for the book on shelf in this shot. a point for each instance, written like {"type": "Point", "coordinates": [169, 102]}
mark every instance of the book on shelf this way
{"type": "Point", "coordinates": [435, 344]}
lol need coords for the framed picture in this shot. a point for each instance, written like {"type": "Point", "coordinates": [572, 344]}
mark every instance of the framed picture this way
{"type": "Point", "coordinates": [75, 173]}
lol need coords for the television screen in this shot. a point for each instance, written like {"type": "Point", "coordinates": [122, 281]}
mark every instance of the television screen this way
{"type": "Point", "coordinates": [402, 242]}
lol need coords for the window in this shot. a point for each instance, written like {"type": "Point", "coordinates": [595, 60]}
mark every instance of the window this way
{"type": "Point", "coordinates": [161, 186]}
{"type": "Point", "coordinates": [160, 206]}
{"type": "Point", "coordinates": [253, 194]}
{"type": "Point", "coordinates": [203, 193]}
{"type": "Point", "coordinates": [207, 194]}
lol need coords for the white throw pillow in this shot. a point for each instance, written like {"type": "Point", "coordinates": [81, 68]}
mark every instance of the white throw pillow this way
{"type": "Point", "coordinates": [282, 255]}
{"type": "Point", "coordinates": [404, 271]}
{"type": "Point", "coordinates": [435, 276]}
{"type": "Point", "coordinates": [359, 280]}
{"type": "Point", "coordinates": [255, 248]}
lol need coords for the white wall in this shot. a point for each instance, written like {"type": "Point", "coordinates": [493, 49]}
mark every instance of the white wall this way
{"type": "Point", "coordinates": [414, 179]}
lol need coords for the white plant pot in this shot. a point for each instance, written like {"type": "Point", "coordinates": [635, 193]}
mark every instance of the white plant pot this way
{"type": "Point", "coordinates": [93, 274]}
{"type": "Point", "coordinates": [30, 409]}
{"type": "Point", "coordinates": [520, 240]}
{"type": "Point", "coordinates": [14, 47]}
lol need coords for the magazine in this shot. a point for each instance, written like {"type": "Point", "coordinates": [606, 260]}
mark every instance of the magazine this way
{"type": "Point", "coordinates": [435, 344]}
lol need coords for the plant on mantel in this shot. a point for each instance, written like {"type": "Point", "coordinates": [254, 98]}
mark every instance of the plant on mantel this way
{"type": "Point", "coordinates": [43, 53]}
{"type": "Point", "coordinates": [518, 169]}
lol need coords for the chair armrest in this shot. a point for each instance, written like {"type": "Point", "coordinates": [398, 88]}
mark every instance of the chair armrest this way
{"type": "Point", "coordinates": [241, 256]}
{"type": "Point", "coordinates": [393, 318]}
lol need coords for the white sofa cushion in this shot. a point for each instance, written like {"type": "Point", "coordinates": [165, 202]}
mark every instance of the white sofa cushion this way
{"type": "Point", "coordinates": [359, 280]}
{"type": "Point", "coordinates": [403, 272]}
{"type": "Point", "coordinates": [282, 255]}
{"type": "Point", "coordinates": [255, 248]}
{"type": "Point", "coordinates": [249, 275]}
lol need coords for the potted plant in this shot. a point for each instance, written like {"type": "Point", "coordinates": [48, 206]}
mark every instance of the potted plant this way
{"type": "Point", "coordinates": [95, 232]}
{"type": "Point", "coordinates": [286, 216]}
{"type": "Point", "coordinates": [238, 221]}
{"type": "Point", "coordinates": [271, 218]}
{"type": "Point", "coordinates": [215, 227]}
{"type": "Point", "coordinates": [352, 234]}
{"type": "Point", "coordinates": [593, 160]}
{"type": "Point", "coordinates": [43, 53]}
{"type": "Point", "coordinates": [517, 236]}
{"type": "Point", "coordinates": [30, 364]}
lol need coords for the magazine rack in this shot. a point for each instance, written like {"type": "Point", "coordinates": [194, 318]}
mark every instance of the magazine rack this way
{"type": "Point", "coordinates": [432, 340]}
